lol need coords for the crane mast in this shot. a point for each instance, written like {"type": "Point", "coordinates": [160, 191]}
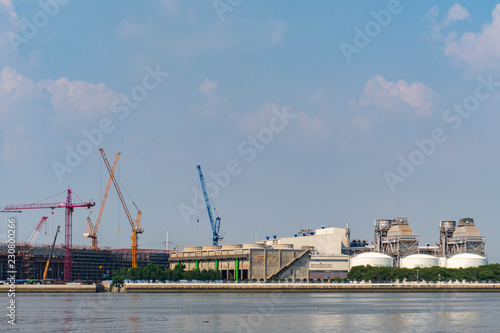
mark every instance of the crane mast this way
{"type": "Point", "coordinates": [215, 224]}
{"type": "Point", "coordinates": [92, 230]}
{"type": "Point", "coordinates": [50, 256]}
{"type": "Point", "coordinates": [137, 224]}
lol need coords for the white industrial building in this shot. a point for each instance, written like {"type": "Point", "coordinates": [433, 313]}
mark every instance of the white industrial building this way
{"type": "Point", "coordinates": [327, 245]}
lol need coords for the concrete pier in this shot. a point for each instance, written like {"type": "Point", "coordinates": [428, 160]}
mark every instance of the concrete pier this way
{"type": "Point", "coordinates": [53, 288]}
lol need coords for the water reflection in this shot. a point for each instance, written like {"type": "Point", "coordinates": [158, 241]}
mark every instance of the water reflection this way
{"type": "Point", "coordinates": [396, 312]}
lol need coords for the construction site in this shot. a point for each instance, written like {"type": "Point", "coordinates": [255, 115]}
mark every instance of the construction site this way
{"type": "Point", "coordinates": [327, 252]}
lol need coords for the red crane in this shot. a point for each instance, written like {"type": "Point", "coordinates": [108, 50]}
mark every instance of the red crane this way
{"type": "Point", "coordinates": [37, 230]}
{"type": "Point", "coordinates": [69, 206]}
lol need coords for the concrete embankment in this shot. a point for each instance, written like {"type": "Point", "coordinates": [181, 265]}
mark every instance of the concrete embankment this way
{"type": "Point", "coordinates": [52, 288]}
{"type": "Point", "coordinates": [306, 287]}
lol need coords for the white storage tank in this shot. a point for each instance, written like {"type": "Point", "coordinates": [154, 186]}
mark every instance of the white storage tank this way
{"type": "Point", "coordinates": [419, 260]}
{"type": "Point", "coordinates": [372, 259]}
{"type": "Point", "coordinates": [442, 261]}
{"type": "Point", "coordinates": [466, 260]}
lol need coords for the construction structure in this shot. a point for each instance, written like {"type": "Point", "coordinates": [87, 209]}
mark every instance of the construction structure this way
{"type": "Point", "coordinates": [251, 261]}
{"type": "Point", "coordinates": [86, 264]}
{"type": "Point", "coordinates": [69, 207]}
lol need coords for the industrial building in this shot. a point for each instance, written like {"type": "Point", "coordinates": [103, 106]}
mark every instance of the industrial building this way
{"type": "Point", "coordinates": [246, 261]}
{"type": "Point", "coordinates": [327, 252]}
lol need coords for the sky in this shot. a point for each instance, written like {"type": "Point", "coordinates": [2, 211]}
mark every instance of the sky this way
{"type": "Point", "coordinates": [301, 115]}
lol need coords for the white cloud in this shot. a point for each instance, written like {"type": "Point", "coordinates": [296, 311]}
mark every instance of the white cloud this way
{"type": "Point", "coordinates": [213, 101]}
{"type": "Point", "coordinates": [304, 126]}
{"type": "Point", "coordinates": [78, 100]}
{"type": "Point", "coordinates": [31, 111]}
{"type": "Point", "coordinates": [392, 96]}
{"type": "Point", "coordinates": [382, 100]}
{"type": "Point", "coordinates": [311, 127]}
{"type": "Point", "coordinates": [321, 101]}
{"type": "Point", "coordinates": [254, 121]}
{"type": "Point", "coordinates": [456, 13]}
{"type": "Point", "coordinates": [477, 51]}
{"type": "Point", "coordinates": [10, 19]}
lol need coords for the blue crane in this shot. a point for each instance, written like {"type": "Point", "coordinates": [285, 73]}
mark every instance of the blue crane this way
{"type": "Point", "coordinates": [214, 223]}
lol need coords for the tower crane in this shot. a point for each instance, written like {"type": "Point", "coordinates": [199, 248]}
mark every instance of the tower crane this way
{"type": "Point", "coordinates": [50, 256]}
{"type": "Point", "coordinates": [135, 224]}
{"type": "Point", "coordinates": [69, 206]}
{"type": "Point", "coordinates": [214, 223]}
{"type": "Point", "coordinates": [92, 230]}
{"type": "Point", "coordinates": [35, 233]}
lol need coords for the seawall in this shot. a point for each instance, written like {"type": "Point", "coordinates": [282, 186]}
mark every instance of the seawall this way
{"type": "Point", "coordinates": [306, 287]}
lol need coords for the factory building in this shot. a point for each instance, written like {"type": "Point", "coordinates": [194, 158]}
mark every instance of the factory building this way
{"type": "Point", "coordinates": [329, 248]}
{"type": "Point", "coordinates": [464, 238]}
{"type": "Point", "coordinates": [251, 261]}
{"type": "Point", "coordinates": [395, 238]}
{"type": "Point", "coordinates": [328, 266]}
{"type": "Point", "coordinates": [320, 241]}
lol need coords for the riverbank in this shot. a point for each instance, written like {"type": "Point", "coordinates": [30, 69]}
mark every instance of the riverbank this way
{"type": "Point", "coordinates": [255, 287]}
{"type": "Point", "coordinates": [53, 288]}
{"type": "Point", "coordinates": [305, 287]}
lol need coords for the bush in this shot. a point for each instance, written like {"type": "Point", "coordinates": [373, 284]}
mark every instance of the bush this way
{"type": "Point", "coordinates": [159, 273]}
{"type": "Point", "coordinates": [489, 272]}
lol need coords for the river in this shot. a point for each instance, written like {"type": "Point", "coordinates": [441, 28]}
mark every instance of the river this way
{"type": "Point", "coordinates": [257, 312]}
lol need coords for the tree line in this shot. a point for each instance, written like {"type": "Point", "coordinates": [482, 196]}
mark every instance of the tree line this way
{"type": "Point", "coordinates": [486, 273]}
{"type": "Point", "coordinates": [159, 273]}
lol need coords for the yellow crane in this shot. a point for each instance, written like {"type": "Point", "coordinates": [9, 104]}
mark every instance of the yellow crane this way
{"type": "Point", "coordinates": [50, 256]}
{"type": "Point", "coordinates": [135, 224]}
{"type": "Point", "coordinates": [92, 230]}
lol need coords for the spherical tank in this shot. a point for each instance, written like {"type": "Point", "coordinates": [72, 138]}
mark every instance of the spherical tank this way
{"type": "Point", "coordinates": [466, 260]}
{"type": "Point", "coordinates": [372, 259]}
{"type": "Point", "coordinates": [419, 260]}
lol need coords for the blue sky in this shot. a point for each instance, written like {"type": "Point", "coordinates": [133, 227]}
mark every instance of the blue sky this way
{"type": "Point", "coordinates": [234, 72]}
